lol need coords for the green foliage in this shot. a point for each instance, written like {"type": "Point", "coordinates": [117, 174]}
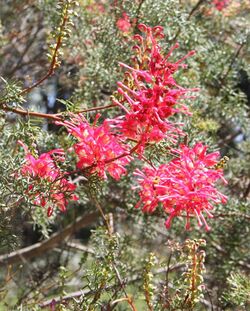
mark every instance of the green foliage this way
{"type": "Point", "coordinates": [238, 293]}
{"type": "Point", "coordinates": [132, 263]}
{"type": "Point", "coordinates": [11, 92]}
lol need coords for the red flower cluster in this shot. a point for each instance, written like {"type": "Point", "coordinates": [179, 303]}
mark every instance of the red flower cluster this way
{"type": "Point", "coordinates": [43, 170]}
{"type": "Point", "coordinates": [185, 185]}
{"type": "Point", "coordinates": [150, 94]}
{"type": "Point", "coordinates": [150, 97]}
{"type": "Point", "coordinates": [98, 148]}
{"type": "Point", "coordinates": [220, 4]}
{"type": "Point", "coordinates": [123, 23]}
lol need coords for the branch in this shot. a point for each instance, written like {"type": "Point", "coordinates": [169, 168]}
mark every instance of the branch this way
{"type": "Point", "coordinates": [133, 279]}
{"type": "Point", "coordinates": [221, 250]}
{"type": "Point", "coordinates": [191, 13]}
{"type": "Point", "coordinates": [55, 117]}
{"type": "Point", "coordinates": [235, 56]}
{"type": "Point", "coordinates": [40, 248]}
{"type": "Point", "coordinates": [53, 62]}
{"type": "Point", "coordinates": [25, 51]}
{"type": "Point", "coordinates": [31, 113]}
{"type": "Point", "coordinates": [195, 8]}
{"type": "Point", "coordinates": [246, 192]}
{"type": "Point", "coordinates": [232, 214]}
{"type": "Point", "coordinates": [137, 15]}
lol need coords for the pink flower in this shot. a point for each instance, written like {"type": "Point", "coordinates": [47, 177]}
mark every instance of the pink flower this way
{"type": "Point", "coordinates": [96, 8]}
{"type": "Point", "coordinates": [150, 96]}
{"type": "Point", "coordinates": [123, 23]}
{"type": "Point", "coordinates": [98, 149]}
{"type": "Point", "coordinates": [220, 4]}
{"type": "Point", "coordinates": [148, 179]}
{"type": "Point", "coordinates": [43, 171]}
{"type": "Point", "coordinates": [185, 185]}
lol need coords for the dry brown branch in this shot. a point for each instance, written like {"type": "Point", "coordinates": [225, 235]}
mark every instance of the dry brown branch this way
{"type": "Point", "coordinates": [80, 248]}
{"type": "Point", "coordinates": [40, 248]}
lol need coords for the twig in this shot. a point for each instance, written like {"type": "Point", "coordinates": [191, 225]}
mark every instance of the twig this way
{"type": "Point", "coordinates": [195, 8]}
{"type": "Point", "coordinates": [224, 252]}
{"type": "Point", "coordinates": [110, 232]}
{"type": "Point", "coordinates": [103, 215]}
{"type": "Point", "coordinates": [31, 113]}
{"type": "Point", "coordinates": [235, 56]}
{"type": "Point", "coordinates": [80, 247]}
{"type": "Point", "coordinates": [40, 248]}
{"type": "Point", "coordinates": [247, 191]}
{"type": "Point", "coordinates": [137, 15]}
{"type": "Point", "coordinates": [232, 214]}
{"type": "Point", "coordinates": [53, 63]}
{"type": "Point", "coordinates": [25, 51]}
{"type": "Point", "coordinates": [136, 277]}
{"type": "Point", "coordinates": [96, 108]}
{"type": "Point", "coordinates": [55, 117]}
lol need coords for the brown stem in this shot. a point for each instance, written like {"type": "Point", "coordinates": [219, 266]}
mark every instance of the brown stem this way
{"type": "Point", "coordinates": [194, 273]}
{"type": "Point", "coordinates": [31, 113]}
{"type": "Point", "coordinates": [147, 297]}
{"type": "Point", "coordinates": [40, 248]}
{"type": "Point", "coordinates": [247, 191]}
{"type": "Point", "coordinates": [55, 117]}
{"type": "Point", "coordinates": [235, 56]}
{"type": "Point", "coordinates": [195, 8]}
{"type": "Point", "coordinates": [53, 63]}
{"type": "Point", "coordinates": [96, 108]}
{"type": "Point", "coordinates": [137, 16]}
{"type": "Point", "coordinates": [103, 215]}
{"type": "Point", "coordinates": [135, 278]}
{"type": "Point", "coordinates": [231, 214]}
{"type": "Point", "coordinates": [113, 262]}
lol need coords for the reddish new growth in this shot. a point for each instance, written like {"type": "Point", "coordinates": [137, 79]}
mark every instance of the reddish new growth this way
{"type": "Point", "coordinates": [43, 170]}
{"type": "Point", "coordinates": [220, 4]}
{"type": "Point", "coordinates": [123, 23]}
{"type": "Point", "coordinates": [150, 95]}
{"type": "Point", "coordinates": [98, 149]}
{"type": "Point", "coordinates": [184, 186]}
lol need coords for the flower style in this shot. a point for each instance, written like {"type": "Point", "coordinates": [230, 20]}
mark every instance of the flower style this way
{"type": "Point", "coordinates": [43, 170]}
{"type": "Point", "coordinates": [150, 92]}
{"type": "Point", "coordinates": [185, 185]}
{"type": "Point", "coordinates": [98, 149]}
{"type": "Point", "coordinates": [123, 23]}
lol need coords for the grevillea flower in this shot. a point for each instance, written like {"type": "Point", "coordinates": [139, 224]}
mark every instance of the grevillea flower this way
{"type": "Point", "coordinates": [184, 186]}
{"type": "Point", "coordinates": [123, 23]}
{"type": "Point", "coordinates": [150, 95]}
{"type": "Point", "coordinates": [96, 8]}
{"type": "Point", "coordinates": [220, 4]}
{"type": "Point", "coordinates": [98, 149]}
{"type": "Point", "coordinates": [42, 171]}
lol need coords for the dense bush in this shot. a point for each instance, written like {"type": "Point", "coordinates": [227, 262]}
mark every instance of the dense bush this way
{"type": "Point", "coordinates": [124, 159]}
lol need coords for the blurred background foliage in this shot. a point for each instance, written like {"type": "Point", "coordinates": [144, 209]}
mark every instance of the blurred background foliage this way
{"type": "Point", "coordinates": [91, 270]}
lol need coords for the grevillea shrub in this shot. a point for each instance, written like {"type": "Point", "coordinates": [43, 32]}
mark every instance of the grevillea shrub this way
{"type": "Point", "coordinates": [117, 122]}
{"type": "Point", "coordinates": [150, 96]}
